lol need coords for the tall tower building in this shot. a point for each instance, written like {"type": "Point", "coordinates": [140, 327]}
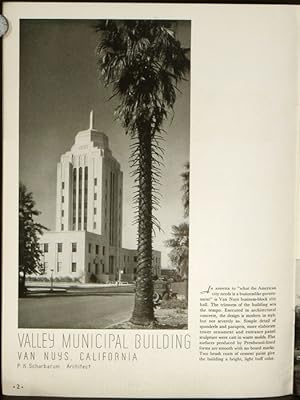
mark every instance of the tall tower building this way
{"type": "Point", "coordinates": [89, 187]}
{"type": "Point", "coordinates": [87, 243]}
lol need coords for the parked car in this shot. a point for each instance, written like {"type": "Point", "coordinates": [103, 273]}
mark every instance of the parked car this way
{"type": "Point", "coordinates": [162, 291]}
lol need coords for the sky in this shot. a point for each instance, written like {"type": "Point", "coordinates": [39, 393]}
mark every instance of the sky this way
{"type": "Point", "coordinates": [59, 85]}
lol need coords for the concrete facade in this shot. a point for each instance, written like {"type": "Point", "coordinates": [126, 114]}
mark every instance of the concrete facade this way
{"type": "Point", "coordinates": [87, 243]}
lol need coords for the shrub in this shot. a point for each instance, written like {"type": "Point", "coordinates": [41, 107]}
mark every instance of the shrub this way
{"type": "Point", "coordinates": [93, 278]}
{"type": "Point", "coordinates": [174, 303]}
{"type": "Point", "coordinates": [37, 278]}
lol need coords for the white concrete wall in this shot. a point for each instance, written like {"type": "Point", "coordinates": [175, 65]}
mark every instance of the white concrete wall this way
{"type": "Point", "coordinates": [66, 257]}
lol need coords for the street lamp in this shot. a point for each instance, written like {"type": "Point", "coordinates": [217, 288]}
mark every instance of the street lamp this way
{"type": "Point", "coordinates": [120, 272]}
{"type": "Point", "coordinates": [51, 280]}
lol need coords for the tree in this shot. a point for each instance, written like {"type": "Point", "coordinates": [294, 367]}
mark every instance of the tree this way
{"type": "Point", "coordinates": [29, 232]}
{"type": "Point", "coordinates": [186, 189]}
{"type": "Point", "coordinates": [143, 62]}
{"type": "Point", "coordinates": [179, 244]}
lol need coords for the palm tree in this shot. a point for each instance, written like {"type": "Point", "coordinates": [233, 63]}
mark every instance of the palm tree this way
{"type": "Point", "coordinates": [179, 244]}
{"type": "Point", "coordinates": [143, 62]}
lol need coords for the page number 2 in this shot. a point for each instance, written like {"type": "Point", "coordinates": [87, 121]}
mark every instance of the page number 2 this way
{"type": "Point", "coordinates": [18, 386]}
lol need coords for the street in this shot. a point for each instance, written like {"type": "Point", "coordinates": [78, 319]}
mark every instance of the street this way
{"type": "Point", "coordinates": [85, 311]}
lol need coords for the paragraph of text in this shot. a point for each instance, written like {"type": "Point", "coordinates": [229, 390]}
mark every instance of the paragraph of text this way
{"type": "Point", "coordinates": [237, 324]}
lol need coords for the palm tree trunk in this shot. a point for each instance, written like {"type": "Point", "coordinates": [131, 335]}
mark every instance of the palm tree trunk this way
{"type": "Point", "coordinates": [143, 313]}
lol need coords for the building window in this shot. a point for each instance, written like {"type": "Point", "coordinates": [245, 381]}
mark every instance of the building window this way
{"type": "Point", "coordinates": [46, 247]}
{"type": "Point", "coordinates": [58, 266]}
{"type": "Point", "coordinates": [86, 195]}
{"type": "Point", "coordinates": [45, 266]}
{"type": "Point", "coordinates": [90, 247]}
{"type": "Point", "coordinates": [89, 267]}
{"type": "Point", "coordinates": [74, 198]}
{"type": "Point", "coordinates": [135, 258]}
{"type": "Point", "coordinates": [97, 269]}
{"type": "Point", "coordinates": [74, 247]}
{"type": "Point", "coordinates": [62, 227]}
{"type": "Point", "coordinates": [124, 259]}
{"type": "Point", "coordinates": [62, 199]}
{"type": "Point", "coordinates": [134, 270]}
{"type": "Point", "coordinates": [97, 249]}
{"type": "Point", "coordinates": [63, 185]}
{"type": "Point", "coordinates": [95, 210]}
{"type": "Point", "coordinates": [79, 197]}
{"type": "Point", "coordinates": [95, 196]}
{"type": "Point", "coordinates": [59, 247]}
{"type": "Point", "coordinates": [103, 251]}
{"type": "Point", "coordinates": [95, 225]}
{"type": "Point", "coordinates": [128, 258]}
{"type": "Point", "coordinates": [111, 264]}
{"type": "Point", "coordinates": [95, 181]}
{"type": "Point", "coordinates": [73, 266]}
{"type": "Point", "coordinates": [62, 213]}
{"type": "Point", "coordinates": [124, 270]}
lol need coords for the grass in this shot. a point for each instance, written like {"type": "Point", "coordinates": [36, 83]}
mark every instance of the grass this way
{"type": "Point", "coordinates": [172, 314]}
{"type": "Point", "coordinates": [174, 303]}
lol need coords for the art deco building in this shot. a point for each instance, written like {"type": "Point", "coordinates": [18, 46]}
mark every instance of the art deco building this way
{"type": "Point", "coordinates": [87, 243]}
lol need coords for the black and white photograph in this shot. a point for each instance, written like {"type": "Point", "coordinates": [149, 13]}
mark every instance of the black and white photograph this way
{"type": "Point", "coordinates": [150, 200]}
{"type": "Point", "coordinates": [104, 136]}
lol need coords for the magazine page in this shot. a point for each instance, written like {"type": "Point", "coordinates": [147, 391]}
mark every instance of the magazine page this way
{"type": "Point", "coordinates": [149, 200]}
{"type": "Point", "coordinates": [297, 275]}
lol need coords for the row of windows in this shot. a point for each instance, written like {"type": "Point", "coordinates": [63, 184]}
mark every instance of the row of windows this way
{"type": "Point", "coordinates": [125, 271]}
{"type": "Point", "coordinates": [86, 174]}
{"type": "Point", "coordinates": [126, 259]}
{"type": "Point", "coordinates": [59, 266]}
{"type": "Point", "coordinates": [96, 249]}
{"type": "Point", "coordinates": [97, 268]}
{"type": "Point", "coordinates": [85, 189]}
{"type": "Point", "coordinates": [59, 247]}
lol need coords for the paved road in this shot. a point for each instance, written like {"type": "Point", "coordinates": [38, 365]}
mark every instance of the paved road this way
{"type": "Point", "coordinates": [91, 311]}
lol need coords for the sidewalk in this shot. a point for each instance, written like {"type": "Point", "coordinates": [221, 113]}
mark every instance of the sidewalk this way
{"type": "Point", "coordinates": [38, 289]}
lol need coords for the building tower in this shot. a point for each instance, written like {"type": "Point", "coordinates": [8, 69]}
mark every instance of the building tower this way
{"type": "Point", "coordinates": [87, 242]}
{"type": "Point", "coordinates": [89, 188]}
